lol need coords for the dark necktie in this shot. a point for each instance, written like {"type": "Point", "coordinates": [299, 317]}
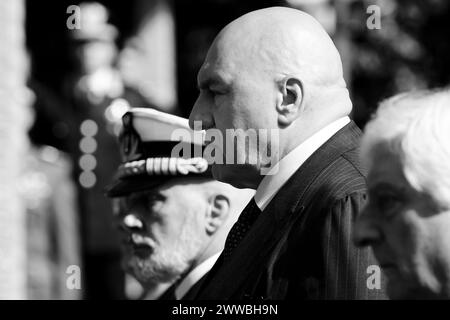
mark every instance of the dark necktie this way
{"type": "Point", "coordinates": [240, 228]}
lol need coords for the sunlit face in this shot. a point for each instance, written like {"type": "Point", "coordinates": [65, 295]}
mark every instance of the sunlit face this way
{"type": "Point", "coordinates": [163, 231]}
{"type": "Point", "coordinates": [409, 234]}
{"type": "Point", "coordinates": [235, 94]}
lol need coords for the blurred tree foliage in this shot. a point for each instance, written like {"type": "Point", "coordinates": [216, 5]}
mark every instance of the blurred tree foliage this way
{"type": "Point", "coordinates": [410, 51]}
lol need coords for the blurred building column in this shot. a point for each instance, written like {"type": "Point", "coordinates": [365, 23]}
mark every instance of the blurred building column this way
{"type": "Point", "coordinates": [149, 57]}
{"type": "Point", "coordinates": [14, 122]}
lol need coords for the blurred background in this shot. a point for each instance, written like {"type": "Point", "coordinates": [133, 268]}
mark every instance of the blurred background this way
{"type": "Point", "coordinates": [65, 83]}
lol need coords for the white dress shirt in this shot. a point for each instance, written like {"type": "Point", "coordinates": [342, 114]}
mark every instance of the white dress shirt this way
{"type": "Point", "coordinates": [288, 165]}
{"type": "Point", "coordinates": [195, 275]}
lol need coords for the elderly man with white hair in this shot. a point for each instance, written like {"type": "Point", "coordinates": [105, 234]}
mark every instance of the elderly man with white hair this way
{"type": "Point", "coordinates": [407, 219]}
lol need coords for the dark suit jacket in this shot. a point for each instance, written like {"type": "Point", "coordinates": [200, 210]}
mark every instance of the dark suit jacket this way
{"type": "Point", "coordinates": [300, 247]}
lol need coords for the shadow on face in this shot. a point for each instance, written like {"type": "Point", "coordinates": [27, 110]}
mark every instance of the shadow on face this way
{"type": "Point", "coordinates": [163, 230]}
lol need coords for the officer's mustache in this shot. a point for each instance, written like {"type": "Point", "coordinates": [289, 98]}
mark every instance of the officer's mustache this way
{"type": "Point", "coordinates": [140, 240]}
{"type": "Point", "coordinates": [133, 227]}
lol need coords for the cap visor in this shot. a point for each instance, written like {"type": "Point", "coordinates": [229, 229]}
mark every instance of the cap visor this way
{"type": "Point", "coordinates": [120, 188]}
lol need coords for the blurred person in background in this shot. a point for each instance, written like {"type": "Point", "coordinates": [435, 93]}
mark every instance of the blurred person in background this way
{"type": "Point", "coordinates": [174, 217]}
{"type": "Point", "coordinates": [406, 148]}
{"type": "Point", "coordinates": [52, 224]}
{"type": "Point", "coordinates": [49, 196]}
{"type": "Point", "coordinates": [97, 99]}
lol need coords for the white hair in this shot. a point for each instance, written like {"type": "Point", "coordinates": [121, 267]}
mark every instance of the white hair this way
{"type": "Point", "coordinates": [415, 126]}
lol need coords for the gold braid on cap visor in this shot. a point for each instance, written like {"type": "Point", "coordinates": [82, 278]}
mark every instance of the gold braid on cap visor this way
{"type": "Point", "coordinates": [163, 166]}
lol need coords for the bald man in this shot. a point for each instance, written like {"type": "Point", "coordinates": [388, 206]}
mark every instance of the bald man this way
{"type": "Point", "coordinates": [277, 69]}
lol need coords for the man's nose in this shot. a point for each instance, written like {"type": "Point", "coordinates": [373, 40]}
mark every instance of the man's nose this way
{"type": "Point", "coordinates": [365, 231]}
{"type": "Point", "coordinates": [132, 222]}
{"type": "Point", "coordinates": [200, 118]}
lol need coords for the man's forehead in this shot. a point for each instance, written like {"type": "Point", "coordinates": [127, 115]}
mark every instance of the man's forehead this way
{"type": "Point", "coordinates": [220, 62]}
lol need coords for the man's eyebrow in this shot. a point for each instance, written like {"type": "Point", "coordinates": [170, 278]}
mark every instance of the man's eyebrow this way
{"type": "Point", "coordinates": [205, 84]}
{"type": "Point", "coordinates": [210, 82]}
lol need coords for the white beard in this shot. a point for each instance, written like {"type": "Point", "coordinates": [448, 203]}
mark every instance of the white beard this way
{"type": "Point", "coordinates": [166, 263]}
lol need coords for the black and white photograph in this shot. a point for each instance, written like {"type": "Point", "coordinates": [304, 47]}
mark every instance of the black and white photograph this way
{"type": "Point", "coordinates": [224, 157]}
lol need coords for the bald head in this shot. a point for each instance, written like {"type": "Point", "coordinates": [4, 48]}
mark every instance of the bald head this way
{"type": "Point", "coordinates": [280, 41]}
{"type": "Point", "coordinates": [274, 68]}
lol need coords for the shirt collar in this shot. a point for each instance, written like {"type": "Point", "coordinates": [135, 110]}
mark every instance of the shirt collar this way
{"type": "Point", "coordinates": [287, 166]}
{"type": "Point", "coordinates": [195, 275]}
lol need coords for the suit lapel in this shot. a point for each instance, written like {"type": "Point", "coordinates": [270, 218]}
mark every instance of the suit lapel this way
{"type": "Point", "coordinates": [271, 225]}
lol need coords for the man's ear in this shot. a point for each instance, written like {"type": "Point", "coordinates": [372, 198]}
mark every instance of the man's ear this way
{"type": "Point", "coordinates": [291, 100]}
{"type": "Point", "coordinates": [218, 213]}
